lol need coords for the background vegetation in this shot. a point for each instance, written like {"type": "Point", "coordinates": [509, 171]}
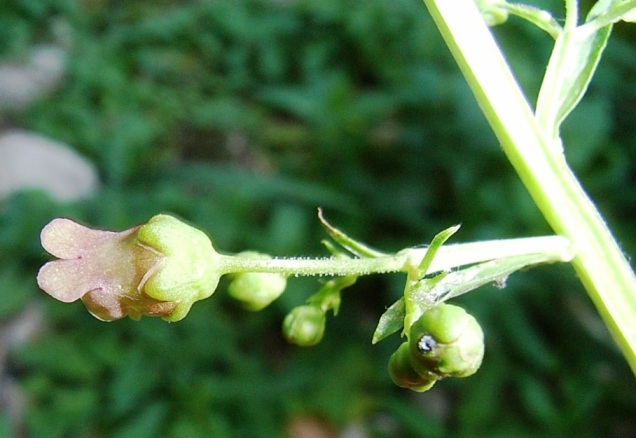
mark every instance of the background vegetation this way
{"type": "Point", "coordinates": [242, 117]}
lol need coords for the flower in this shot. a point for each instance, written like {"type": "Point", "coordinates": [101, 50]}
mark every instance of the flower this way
{"type": "Point", "coordinates": [157, 269]}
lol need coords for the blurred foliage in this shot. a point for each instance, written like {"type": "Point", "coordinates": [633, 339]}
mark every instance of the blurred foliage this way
{"type": "Point", "coordinates": [242, 117]}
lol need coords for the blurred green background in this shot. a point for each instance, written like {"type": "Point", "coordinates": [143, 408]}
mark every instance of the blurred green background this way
{"type": "Point", "coordinates": [243, 117]}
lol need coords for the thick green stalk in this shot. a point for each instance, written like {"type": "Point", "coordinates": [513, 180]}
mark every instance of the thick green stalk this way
{"type": "Point", "coordinates": [599, 262]}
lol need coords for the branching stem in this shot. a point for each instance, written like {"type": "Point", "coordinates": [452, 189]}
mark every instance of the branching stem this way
{"type": "Point", "coordinates": [599, 262]}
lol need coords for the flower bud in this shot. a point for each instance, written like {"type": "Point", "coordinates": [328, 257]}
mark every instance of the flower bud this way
{"type": "Point", "coordinates": [305, 325]}
{"type": "Point", "coordinates": [446, 341]}
{"type": "Point", "coordinates": [404, 375]}
{"type": "Point", "coordinates": [256, 290]}
{"type": "Point", "coordinates": [157, 269]}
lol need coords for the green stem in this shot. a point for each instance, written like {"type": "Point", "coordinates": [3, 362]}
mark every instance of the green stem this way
{"type": "Point", "coordinates": [329, 266]}
{"type": "Point", "coordinates": [552, 249]}
{"type": "Point", "coordinates": [571, 14]}
{"type": "Point", "coordinates": [613, 16]}
{"type": "Point", "coordinates": [599, 262]}
{"type": "Point", "coordinates": [542, 19]}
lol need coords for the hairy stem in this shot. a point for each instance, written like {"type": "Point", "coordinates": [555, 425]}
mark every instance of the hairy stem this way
{"type": "Point", "coordinates": [552, 248]}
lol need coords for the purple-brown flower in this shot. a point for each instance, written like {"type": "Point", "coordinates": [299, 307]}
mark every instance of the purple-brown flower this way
{"type": "Point", "coordinates": [156, 269]}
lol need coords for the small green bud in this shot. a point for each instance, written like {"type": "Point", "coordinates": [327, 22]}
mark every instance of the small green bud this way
{"type": "Point", "coordinates": [256, 290]}
{"type": "Point", "coordinates": [305, 325]}
{"type": "Point", "coordinates": [404, 375]}
{"type": "Point", "coordinates": [493, 11]}
{"type": "Point", "coordinates": [447, 342]}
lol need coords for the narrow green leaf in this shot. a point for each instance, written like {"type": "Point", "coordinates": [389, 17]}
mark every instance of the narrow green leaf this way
{"type": "Point", "coordinates": [607, 12]}
{"type": "Point", "coordinates": [600, 7]}
{"type": "Point", "coordinates": [539, 17]}
{"type": "Point", "coordinates": [437, 242]}
{"type": "Point", "coordinates": [459, 282]}
{"type": "Point", "coordinates": [573, 62]}
{"type": "Point", "coordinates": [333, 249]}
{"type": "Point", "coordinates": [353, 246]}
{"type": "Point", "coordinates": [390, 322]}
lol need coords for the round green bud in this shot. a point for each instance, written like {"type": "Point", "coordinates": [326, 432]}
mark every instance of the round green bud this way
{"type": "Point", "coordinates": [304, 325]}
{"type": "Point", "coordinates": [256, 290]}
{"type": "Point", "coordinates": [404, 375]}
{"type": "Point", "coordinates": [446, 341]}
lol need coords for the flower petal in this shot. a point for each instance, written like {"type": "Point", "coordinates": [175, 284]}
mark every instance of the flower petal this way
{"type": "Point", "coordinates": [104, 304]}
{"type": "Point", "coordinates": [66, 239]}
{"type": "Point", "coordinates": [64, 280]}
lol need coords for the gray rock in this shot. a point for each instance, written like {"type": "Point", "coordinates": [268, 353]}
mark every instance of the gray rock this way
{"type": "Point", "coordinates": [21, 84]}
{"type": "Point", "coordinates": [32, 161]}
